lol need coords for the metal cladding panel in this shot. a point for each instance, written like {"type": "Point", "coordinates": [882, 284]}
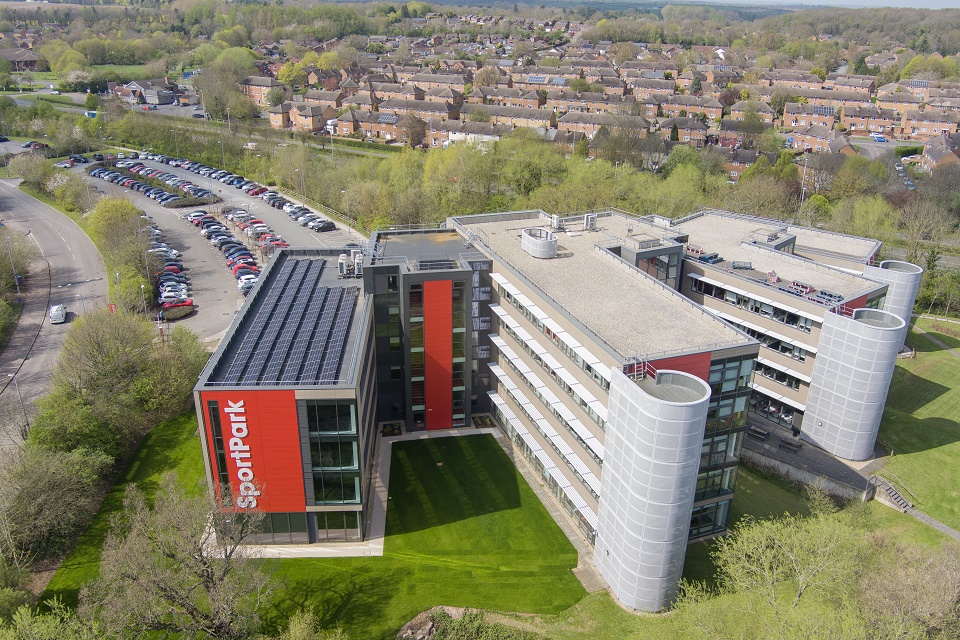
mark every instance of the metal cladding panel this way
{"type": "Point", "coordinates": [903, 283]}
{"type": "Point", "coordinates": [851, 377]}
{"type": "Point", "coordinates": [438, 352]}
{"type": "Point", "coordinates": [652, 456]}
{"type": "Point", "coordinates": [261, 439]}
{"type": "Point", "coordinates": [696, 364]}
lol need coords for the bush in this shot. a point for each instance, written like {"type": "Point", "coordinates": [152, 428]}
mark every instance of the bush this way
{"type": "Point", "coordinates": [903, 152]}
{"type": "Point", "coordinates": [11, 600]}
{"type": "Point", "coordinates": [177, 313]}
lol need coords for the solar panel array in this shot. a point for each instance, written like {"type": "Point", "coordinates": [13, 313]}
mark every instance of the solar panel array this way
{"type": "Point", "coordinates": [824, 110]}
{"type": "Point", "coordinates": [537, 79]}
{"type": "Point", "coordinates": [297, 332]}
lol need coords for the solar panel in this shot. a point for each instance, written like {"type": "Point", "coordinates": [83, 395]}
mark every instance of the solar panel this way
{"type": "Point", "coordinates": [292, 322]}
{"type": "Point", "coordinates": [299, 349]}
{"type": "Point", "coordinates": [824, 110]}
{"type": "Point", "coordinates": [560, 82]}
{"type": "Point", "coordinates": [288, 310]}
{"type": "Point", "coordinates": [318, 345]}
{"type": "Point", "coordinates": [247, 350]}
{"type": "Point", "coordinates": [537, 79]}
{"type": "Point", "coordinates": [338, 337]}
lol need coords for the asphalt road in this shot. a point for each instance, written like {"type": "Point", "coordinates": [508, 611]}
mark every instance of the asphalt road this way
{"type": "Point", "coordinates": [873, 150]}
{"type": "Point", "coordinates": [76, 280]}
{"type": "Point", "coordinates": [213, 287]}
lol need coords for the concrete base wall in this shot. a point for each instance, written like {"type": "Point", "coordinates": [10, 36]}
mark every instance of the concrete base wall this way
{"type": "Point", "coordinates": [793, 474]}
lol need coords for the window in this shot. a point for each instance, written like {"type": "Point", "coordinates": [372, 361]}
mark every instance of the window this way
{"type": "Point", "coordinates": [331, 416]}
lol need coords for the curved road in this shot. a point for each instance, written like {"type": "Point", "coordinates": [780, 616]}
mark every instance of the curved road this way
{"type": "Point", "coordinates": [76, 279]}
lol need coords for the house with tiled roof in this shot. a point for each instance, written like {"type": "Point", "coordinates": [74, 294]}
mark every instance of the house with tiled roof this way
{"type": "Point", "coordinates": [817, 138]}
{"type": "Point", "coordinates": [690, 131]}
{"type": "Point", "coordinates": [801, 115]}
{"type": "Point", "coordinates": [736, 161]}
{"type": "Point", "coordinates": [850, 82]}
{"type": "Point", "coordinates": [869, 120]}
{"type": "Point", "coordinates": [321, 96]}
{"type": "Point", "coordinates": [672, 106]}
{"type": "Point", "coordinates": [901, 101]}
{"type": "Point", "coordinates": [740, 110]}
{"type": "Point", "coordinates": [590, 123]}
{"type": "Point", "coordinates": [513, 116]}
{"type": "Point", "coordinates": [929, 123]}
{"type": "Point", "coordinates": [421, 108]}
{"type": "Point", "coordinates": [444, 94]}
{"type": "Point", "coordinates": [256, 89]}
{"type": "Point", "coordinates": [643, 88]}
{"type": "Point", "coordinates": [940, 152]}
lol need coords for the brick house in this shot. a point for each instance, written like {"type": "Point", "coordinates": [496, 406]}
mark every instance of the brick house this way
{"type": "Point", "coordinates": [736, 161]}
{"type": "Point", "coordinates": [645, 87]}
{"type": "Point", "coordinates": [817, 138]}
{"type": "Point", "coordinates": [689, 130]}
{"type": "Point", "coordinates": [673, 105]}
{"type": "Point", "coordinates": [901, 102]}
{"type": "Point", "coordinates": [321, 96]}
{"type": "Point", "coordinates": [589, 123]}
{"type": "Point", "coordinates": [396, 91]}
{"type": "Point", "coordinates": [790, 79]}
{"type": "Point", "coordinates": [441, 81]}
{"type": "Point", "coordinates": [301, 116]}
{"type": "Point", "coordinates": [940, 152]}
{"type": "Point", "coordinates": [533, 118]}
{"type": "Point", "coordinates": [739, 110]}
{"type": "Point", "coordinates": [421, 108]}
{"type": "Point", "coordinates": [444, 94]}
{"type": "Point", "coordinates": [869, 120]}
{"type": "Point", "coordinates": [506, 97]}
{"type": "Point", "coordinates": [797, 115]}
{"type": "Point", "coordinates": [833, 98]}
{"type": "Point", "coordinates": [256, 89]}
{"type": "Point", "coordinates": [922, 125]}
{"type": "Point", "coordinates": [587, 102]}
{"type": "Point", "coordinates": [850, 82]}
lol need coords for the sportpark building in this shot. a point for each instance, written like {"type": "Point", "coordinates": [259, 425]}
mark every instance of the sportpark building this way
{"type": "Point", "coordinates": [620, 355]}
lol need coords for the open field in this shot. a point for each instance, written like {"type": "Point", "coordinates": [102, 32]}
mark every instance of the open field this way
{"type": "Point", "coordinates": [920, 425]}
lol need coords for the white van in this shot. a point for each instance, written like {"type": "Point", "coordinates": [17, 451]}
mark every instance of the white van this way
{"type": "Point", "coordinates": [58, 314]}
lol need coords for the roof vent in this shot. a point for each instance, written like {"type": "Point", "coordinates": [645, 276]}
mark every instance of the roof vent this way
{"type": "Point", "coordinates": [539, 242]}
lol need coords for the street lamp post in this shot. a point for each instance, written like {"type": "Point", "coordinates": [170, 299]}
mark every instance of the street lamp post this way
{"type": "Point", "coordinates": [143, 297]}
{"type": "Point", "coordinates": [222, 157]}
{"type": "Point", "coordinates": [302, 192]}
{"type": "Point", "coordinates": [263, 171]}
{"type": "Point", "coordinates": [176, 141]}
{"type": "Point", "coordinates": [13, 271]}
{"type": "Point", "coordinates": [23, 408]}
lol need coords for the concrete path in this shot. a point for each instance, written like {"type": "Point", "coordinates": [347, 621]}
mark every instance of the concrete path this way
{"type": "Point", "coordinates": [936, 524]}
{"type": "Point", "coordinates": [937, 341]}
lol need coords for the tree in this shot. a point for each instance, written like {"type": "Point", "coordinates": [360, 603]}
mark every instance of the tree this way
{"type": "Point", "coordinates": [292, 74]}
{"type": "Point", "coordinates": [697, 86]}
{"type": "Point", "coordinates": [674, 133]}
{"type": "Point", "coordinates": [487, 77]}
{"type": "Point", "coordinates": [479, 115]}
{"type": "Point", "coordinates": [624, 51]}
{"type": "Point", "coordinates": [275, 96]}
{"type": "Point", "coordinates": [32, 168]}
{"type": "Point", "coordinates": [729, 97]}
{"type": "Point", "coordinates": [923, 221]}
{"type": "Point", "coordinates": [752, 127]}
{"type": "Point", "coordinates": [48, 497]}
{"type": "Point", "coordinates": [414, 129]}
{"type": "Point", "coordinates": [91, 102]}
{"type": "Point", "coordinates": [59, 624]}
{"type": "Point", "coordinates": [779, 98]}
{"type": "Point", "coordinates": [180, 566]}
{"type": "Point", "coordinates": [304, 625]}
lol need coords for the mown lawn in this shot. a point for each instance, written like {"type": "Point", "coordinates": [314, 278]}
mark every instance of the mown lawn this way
{"type": "Point", "coordinates": [171, 446]}
{"type": "Point", "coordinates": [463, 529]}
{"type": "Point", "coordinates": [920, 425]}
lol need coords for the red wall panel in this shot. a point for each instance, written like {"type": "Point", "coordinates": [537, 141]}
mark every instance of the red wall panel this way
{"type": "Point", "coordinates": [856, 303]}
{"type": "Point", "coordinates": [261, 439]}
{"type": "Point", "coordinates": [438, 352]}
{"type": "Point", "coordinates": [697, 364]}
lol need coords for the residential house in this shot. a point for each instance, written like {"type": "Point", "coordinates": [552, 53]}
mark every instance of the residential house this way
{"type": "Point", "coordinates": [686, 79]}
{"type": "Point", "coordinates": [321, 96]}
{"type": "Point", "coordinates": [326, 78]}
{"type": "Point", "coordinates": [739, 133]}
{"type": "Point", "coordinates": [690, 131]}
{"type": "Point", "coordinates": [818, 138]}
{"type": "Point", "coordinates": [944, 104]}
{"type": "Point", "coordinates": [790, 79]}
{"type": "Point", "coordinates": [923, 125]}
{"type": "Point", "coordinates": [740, 110]}
{"type": "Point", "coordinates": [421, 108]}
{"type": "Point", "coordinates": [517, 117]}
{"type": "Point", "coordinates": [587, 102]}
{"type": "Point", "coordinates": [736, 161]}
{"type": "Point", "coordinates": [21, 59]}
{"type": "Point", "coordinates": [256, 89]}
{"type": "Point", "coordinates": [902, 102]}
{"type": "Point", "coordinates": [589, 123]}
{"type": "Point", "coordinates": [396, 91]}
{"type": "Point", "coordinates": [444, 94]}
{"type": "Point", "coordinates": [940, 152]}
{"type": "Point", "coordinates": [441, 81]}
{"type": "Point", "coordinates": [796, 114]}
{"type": "Point", "coordinates": [672, 106]}
{"type": "Point", "coordinates": [869, 120]}
{"type": "Point", "coordinates": [506, 97]}
{"type": "Point", "coordinates": [833, 98]}
{"type": "Point", "coordinates": [850, 82]}
{"type": "Point", "coordinates": [301, 116]}
{"type": "Point", "coordinates": [643, 88]}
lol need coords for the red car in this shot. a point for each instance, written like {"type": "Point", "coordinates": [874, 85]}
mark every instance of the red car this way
{"type": "Point", "coordinates": [170, 269]}
{"type": "Point", "coordinates": [183, 303]}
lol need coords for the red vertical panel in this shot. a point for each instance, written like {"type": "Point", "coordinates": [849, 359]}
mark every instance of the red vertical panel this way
{"type": "Point", "coordinates": [697, 364]}
{"type": "Point", "coordinates": [856, 303]}
{"type": "Point", "coordinates": [438, 352]}
{"type": "Point", "coordinates": [261, 439]}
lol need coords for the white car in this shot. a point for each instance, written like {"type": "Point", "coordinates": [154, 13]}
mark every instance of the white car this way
{"type": "Point", "coordinates": [58, 314]}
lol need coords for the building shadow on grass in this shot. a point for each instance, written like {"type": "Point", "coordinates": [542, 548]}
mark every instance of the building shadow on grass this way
{"type": "Point", "coordinates": [910, 392]}
{"type": "Point", "coordinates": [443, 480]}
{"type": "Point", "coordinates": [913, 435]}
{"type": "Point", "coordinates": [354, 597]}
{"type": "Point", "coordinates": [923, 341]}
